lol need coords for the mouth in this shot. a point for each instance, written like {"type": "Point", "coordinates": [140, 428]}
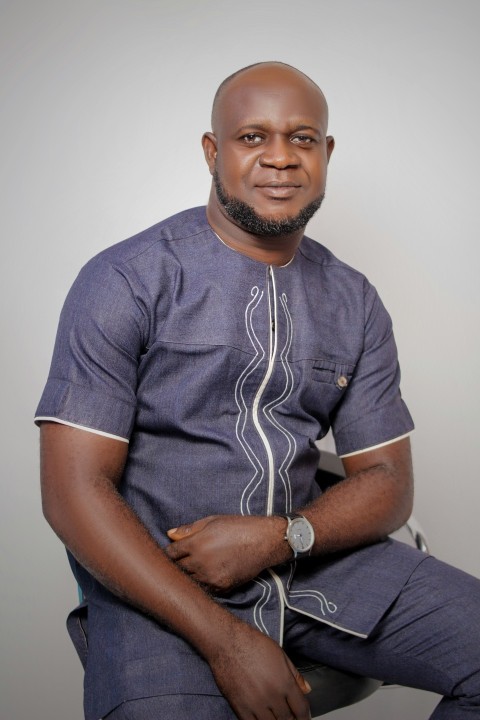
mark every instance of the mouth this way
{"type": "Point", "coordinates": [279, 190]}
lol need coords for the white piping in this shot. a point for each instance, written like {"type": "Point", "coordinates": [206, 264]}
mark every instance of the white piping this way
{"type": "Point", "coordinates": [376, 447]}
{"type": "Point", "coordinates": [302, 612]}
{"type": "Point", "coordinates": [80, 427]}
{"type": "Point", "coordinates": [279, 585]}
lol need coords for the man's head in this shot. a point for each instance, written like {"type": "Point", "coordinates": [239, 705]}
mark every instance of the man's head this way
{"type": "Point", "coordinates": [268, 149]}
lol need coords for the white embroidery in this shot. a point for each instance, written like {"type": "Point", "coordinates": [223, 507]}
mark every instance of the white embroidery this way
{"type": "Point", "coordinates": [242, 406]}
{"type": "Point", "coordinates": [256, 480]}
{"type": "Point", "coordinates": [324, 603]}
{"type": "Point", "coordinates": [274, 404]}
{"type": "Point", "coordinates": [260, 604]}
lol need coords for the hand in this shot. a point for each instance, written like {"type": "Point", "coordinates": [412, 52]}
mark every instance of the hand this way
{"type": "Point", "coordinates": [224, 551]}
{"type": "Point", "coordinates": [257, 678]}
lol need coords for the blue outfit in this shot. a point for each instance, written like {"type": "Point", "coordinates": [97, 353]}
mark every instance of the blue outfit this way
{"type": "Point", "coordinates": [222, 372]}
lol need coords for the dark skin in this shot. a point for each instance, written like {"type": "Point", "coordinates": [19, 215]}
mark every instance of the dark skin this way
{"type": "Point", "coordinates": [270, 147]}
{"type": "Point", "coordinates": [277, 170]}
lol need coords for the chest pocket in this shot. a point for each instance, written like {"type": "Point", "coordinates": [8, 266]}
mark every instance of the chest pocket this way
{"type": "Point", "coordinates": [335, 375]}
{"type": "Point", "coordinates": [324, 387]}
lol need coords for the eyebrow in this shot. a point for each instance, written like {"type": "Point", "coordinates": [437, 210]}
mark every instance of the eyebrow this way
{"type": "Point", "coordinates": [262, 126]}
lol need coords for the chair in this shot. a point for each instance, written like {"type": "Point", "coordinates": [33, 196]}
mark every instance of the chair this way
{"type": "Point", "coordinates": [333, 689]}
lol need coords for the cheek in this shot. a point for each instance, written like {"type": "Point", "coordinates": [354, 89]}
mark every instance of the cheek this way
{"type": "Point", "coordinates": [318, 176]}
{"type": "Point", "coordinates": [233, 169]}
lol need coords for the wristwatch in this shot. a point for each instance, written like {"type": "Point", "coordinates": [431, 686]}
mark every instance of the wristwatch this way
{"type": "Point", "coordinates": [299, 535]}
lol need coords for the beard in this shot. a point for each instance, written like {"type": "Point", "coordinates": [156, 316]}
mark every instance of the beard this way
{"type": "Point", "coordinates": [245, 215]}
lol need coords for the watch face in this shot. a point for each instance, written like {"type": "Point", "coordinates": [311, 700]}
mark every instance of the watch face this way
{"type": "Point", "coordinates": [300, 535]}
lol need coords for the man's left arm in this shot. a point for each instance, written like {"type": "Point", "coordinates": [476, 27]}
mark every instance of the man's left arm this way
{"type": "Point", "coordinates": [374, 499]}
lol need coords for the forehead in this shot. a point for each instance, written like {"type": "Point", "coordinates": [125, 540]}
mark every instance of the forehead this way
{"type": "Point", "coordinates": [271, 97]}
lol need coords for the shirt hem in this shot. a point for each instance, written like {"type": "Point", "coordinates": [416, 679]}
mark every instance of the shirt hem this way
{"type": "Point", "coordinates": [311, 615]}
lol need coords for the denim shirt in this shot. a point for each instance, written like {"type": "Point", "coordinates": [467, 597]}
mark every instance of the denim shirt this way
{"type": "Point", "coordinates": [222, 372]}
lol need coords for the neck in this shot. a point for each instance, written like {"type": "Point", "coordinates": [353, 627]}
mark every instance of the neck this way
{"type": "Point", "coordinates": [278, 250]}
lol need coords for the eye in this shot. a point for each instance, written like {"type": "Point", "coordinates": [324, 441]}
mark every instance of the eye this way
{"type": "Point", "coordinates": [303, 140]}
{"type": "Point", "coordinates": [252, 139]}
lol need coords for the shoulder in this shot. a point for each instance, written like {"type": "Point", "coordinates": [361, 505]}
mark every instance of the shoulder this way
{"type": "Point", "coordinates": [148, 258]}
{"type": "Point", "coordinates": [158, 240]}
{"type": "Point", "coordinates": [132, 278]}
{"type": "Point", "coordinates": [320, 256]}
{"type": "Point", "coordinates": [340, 278]}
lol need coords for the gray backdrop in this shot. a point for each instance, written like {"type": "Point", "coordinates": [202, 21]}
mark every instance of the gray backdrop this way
{"type": "Point", "coordinates": [103, 103]}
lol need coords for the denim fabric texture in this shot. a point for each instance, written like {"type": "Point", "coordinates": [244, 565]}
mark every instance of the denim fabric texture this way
{"type": "Point", "coordinates": [177, 707]}
{"type": "Point", "coordinates": [419, 642]}
{"type": "Point", "coordinates": [222, 372]}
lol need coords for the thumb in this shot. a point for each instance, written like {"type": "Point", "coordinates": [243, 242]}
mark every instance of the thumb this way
{"type": "Point", "coordinates": [183, 531]}
{"type": "Point", "coordinates": [179, 532]}
{"type": "Point", "coordinates": [302, 683]}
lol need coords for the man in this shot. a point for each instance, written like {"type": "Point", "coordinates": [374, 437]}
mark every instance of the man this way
{"type": "Point", "coordinates": [194, 368]}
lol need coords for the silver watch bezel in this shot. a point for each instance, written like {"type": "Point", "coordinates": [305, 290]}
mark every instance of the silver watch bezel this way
{"type": "Point", "coordinates": [295, 520]}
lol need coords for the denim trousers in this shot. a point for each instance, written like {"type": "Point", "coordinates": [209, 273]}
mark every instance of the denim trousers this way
{"type": "Point", "coordinates": [428, 639]}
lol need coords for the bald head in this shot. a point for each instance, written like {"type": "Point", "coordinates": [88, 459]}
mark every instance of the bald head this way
{"type": "Point", "coordinates": [264, 75]}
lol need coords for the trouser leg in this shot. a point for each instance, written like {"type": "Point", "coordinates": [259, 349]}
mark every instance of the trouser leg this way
{"type": "Point", "coordinates": [174, 707]}
{"type": "Point", "coordinates": [428, 639]}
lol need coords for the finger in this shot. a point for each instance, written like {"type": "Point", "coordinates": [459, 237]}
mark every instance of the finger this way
{"type": "Point", "coordinates": [199, 578]}
{"type": "Point", "coordinates": [179, 532]}
{"type": "Point", "coordinates": [297, 702]}
{"type": "Point", "coordinates": [187, 530]}
{"type": "Point", "coordinates": [299, 706]}
{"type": "Point", "coordinates": [176, 551]}
{"type": "Point", "coordinates": [303, 684]}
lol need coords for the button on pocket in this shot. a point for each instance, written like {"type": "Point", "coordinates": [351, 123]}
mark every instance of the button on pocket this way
{"type": "Point", "coordinates": [332, 373]}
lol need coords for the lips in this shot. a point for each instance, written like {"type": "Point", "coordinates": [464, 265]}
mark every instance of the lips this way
{"type": "Point", "coordinates": [278, 184]}
{"type": "Point", "coordinates": [279, 190]}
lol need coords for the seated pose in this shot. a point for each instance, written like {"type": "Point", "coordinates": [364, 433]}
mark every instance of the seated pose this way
{"type": "Point", "coordinates": [196, 365]}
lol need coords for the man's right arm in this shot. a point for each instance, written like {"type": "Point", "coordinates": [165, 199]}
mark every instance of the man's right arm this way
{"type": "Point", "coordinates": [79, 474]}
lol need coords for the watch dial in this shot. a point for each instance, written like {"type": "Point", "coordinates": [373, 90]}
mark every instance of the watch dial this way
{"type": "Point", "coordinates": [301, 537]}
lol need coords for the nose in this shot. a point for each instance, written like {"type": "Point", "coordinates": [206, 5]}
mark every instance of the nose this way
{"type": "Point", "coordinates": [279, 153]}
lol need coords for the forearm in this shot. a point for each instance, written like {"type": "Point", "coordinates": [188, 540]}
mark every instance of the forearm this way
{"type": "Point", "coordinates": [79, 474]}
{"type": "Point", "coordinates": [363, 508]}
{"type": "Point", "coordinates": [104, 534]}
{"type": "Point", "coordinates": [373, 501]}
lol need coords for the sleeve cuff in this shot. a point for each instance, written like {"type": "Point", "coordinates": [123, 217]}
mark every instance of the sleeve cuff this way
{"type": "Point", "coordinates": [39, 419]}
{"type": "Point", "coordinates": [376, 447]}
{"type": "Point", "coordinates": [75, 405]}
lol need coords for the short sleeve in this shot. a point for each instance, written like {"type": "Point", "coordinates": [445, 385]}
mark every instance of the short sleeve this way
{"type": "Point", "coordinates": [372, 411]}
{"type": "Point", "coordinates": [93, 374]}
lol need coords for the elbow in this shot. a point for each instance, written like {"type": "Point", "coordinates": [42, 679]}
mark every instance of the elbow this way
{"type": "Point", "coordinates": [50, 508]}
{"type": "Point", "coordinates": [403, 504]}
{"type": "Point", "coordinates": [55, 506]}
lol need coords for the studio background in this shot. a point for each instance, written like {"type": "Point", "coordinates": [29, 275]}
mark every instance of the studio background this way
{"type": "Point", "coordinates": [103, 104]}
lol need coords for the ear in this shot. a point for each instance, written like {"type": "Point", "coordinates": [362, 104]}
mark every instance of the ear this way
{"type": "Point", "coordinates": [209, 144]}
{"type": "Point", "coordinates": [330, 145]}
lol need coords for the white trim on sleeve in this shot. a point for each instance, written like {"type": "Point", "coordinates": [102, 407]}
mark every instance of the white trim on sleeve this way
{"type": "Point", "coordinates": [375, 447]}
{"type": "Point", "coordinates": [81, 427]}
